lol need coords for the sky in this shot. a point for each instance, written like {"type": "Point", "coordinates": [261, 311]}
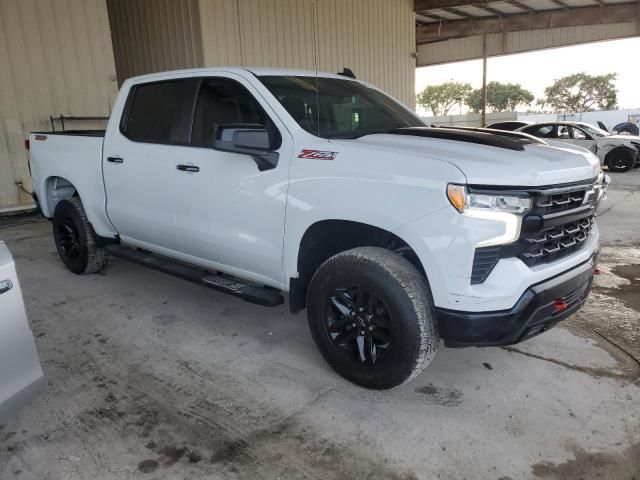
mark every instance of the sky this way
{"type": "Point", "coordinates": [537, 70]}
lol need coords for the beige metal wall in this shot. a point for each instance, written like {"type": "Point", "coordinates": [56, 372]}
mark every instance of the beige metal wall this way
{"type": "Point", "coordinates": [519, 42]}
{"type": "Point", "coordinates": [375, 38]}
{"type": "Point", "coordinates": [154, 35]}
{"type": "Point", "coordinates": [55, 57]}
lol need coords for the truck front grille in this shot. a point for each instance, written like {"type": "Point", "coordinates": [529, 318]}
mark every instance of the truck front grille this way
{"type": "Point", "coordinates": [558, 225]}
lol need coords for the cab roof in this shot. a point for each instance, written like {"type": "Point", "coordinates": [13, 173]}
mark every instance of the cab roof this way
{"type": "Point", "coordinates": [258, 71]}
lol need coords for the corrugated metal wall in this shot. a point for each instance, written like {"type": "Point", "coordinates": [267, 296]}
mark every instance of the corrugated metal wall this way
{"type": "Point", "coordinates": [154, 35]}
{"type": "Point", "coordinates": [375, 38]}
{"type": "Point", "coordinates": [55, 57]}
{"type": "Point", "coordinates": [517, 42]}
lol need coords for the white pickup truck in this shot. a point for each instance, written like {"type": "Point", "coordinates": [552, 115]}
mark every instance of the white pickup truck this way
{"type": "Point", "coordinates": [391, 234]}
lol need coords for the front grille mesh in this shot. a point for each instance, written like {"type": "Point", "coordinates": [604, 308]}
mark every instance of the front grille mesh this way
{"type": "Point", "coordinates": [549, 245]}
{"type": "Point", "coordinates": [559, 202]}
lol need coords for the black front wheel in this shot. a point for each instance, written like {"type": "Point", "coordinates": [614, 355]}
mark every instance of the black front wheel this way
{"type": "Point", "coordinates": [371, 316]}
{"type": "Point", "coordinates": [75, 238]}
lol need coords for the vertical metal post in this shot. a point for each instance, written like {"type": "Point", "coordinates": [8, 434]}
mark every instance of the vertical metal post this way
{"type": "Point", "coordinates": [483, 117]}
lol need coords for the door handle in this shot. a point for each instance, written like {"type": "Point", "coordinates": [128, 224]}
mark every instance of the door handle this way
{"type": "Point", "coordinates": [115, 159]}
{"type": "Point", "coordinates": [188, 168]}
{"type": "Point", "coordinates": [5, 286]}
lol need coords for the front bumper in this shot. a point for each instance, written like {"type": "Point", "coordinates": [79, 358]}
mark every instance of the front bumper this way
{"type": "Point", "coordinates": [538, 309]}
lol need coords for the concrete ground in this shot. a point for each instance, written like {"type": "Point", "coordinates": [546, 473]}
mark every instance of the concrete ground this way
{"type": "Point", "coordinates": [152, 377]}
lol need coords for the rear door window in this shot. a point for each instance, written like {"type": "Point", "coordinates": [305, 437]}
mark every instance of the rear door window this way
{"type": "Point", "coordinates": [578, 134]}
{"type": "Point", "coordinates": [544, 131]}
{"type": "Point", "coordinates": [563, 132]}
{"type": "Point", "coordinates": [159, 112]}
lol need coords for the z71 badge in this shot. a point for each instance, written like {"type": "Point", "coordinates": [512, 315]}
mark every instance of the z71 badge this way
{"type": "Point", "coordinates": [317, 154]}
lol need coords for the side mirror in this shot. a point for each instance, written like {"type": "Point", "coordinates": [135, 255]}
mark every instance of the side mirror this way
{"type": "Point", "coordinates": [247, 139]}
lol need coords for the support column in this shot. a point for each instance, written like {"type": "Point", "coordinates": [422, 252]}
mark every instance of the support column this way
{"type": "Point", "coordinates": [483, 117]}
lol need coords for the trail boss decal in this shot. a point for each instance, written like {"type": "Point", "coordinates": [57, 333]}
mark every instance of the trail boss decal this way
{"type": "Point", "coordinates": [317, 154]}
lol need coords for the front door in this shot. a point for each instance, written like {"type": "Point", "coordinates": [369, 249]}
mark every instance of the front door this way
{"type": "Point", "coordinates": [229, 214]}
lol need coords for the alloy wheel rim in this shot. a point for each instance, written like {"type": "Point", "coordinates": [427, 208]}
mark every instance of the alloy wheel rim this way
{"type": "Point", "coordinates": [68, 238]}
{"type": "Point", "coordinates": [619, 162]}
{"type": "Point", "coordinates": [359, 325]}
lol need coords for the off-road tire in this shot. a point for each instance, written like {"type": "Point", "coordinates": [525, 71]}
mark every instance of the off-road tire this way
{"type": "Point", "coordinates": [87, 256]}
{"type": "Point", "coordinates": [620, 160]}
{"type": "Point", "coordinates": [407, 295]}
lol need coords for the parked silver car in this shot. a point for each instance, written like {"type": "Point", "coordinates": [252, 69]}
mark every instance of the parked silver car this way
{"type": "Point", "coordinates": [21, 377]}
{"type": "Point", "coordinates": [619, 153]}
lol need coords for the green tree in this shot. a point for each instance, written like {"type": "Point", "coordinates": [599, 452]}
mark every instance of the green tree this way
{"type": "Point", "coordinates": [581, 92]}
{"type": "Point", "coordinates": [440, 99]}
{"type": "Point", "coordinates": [501, 97]}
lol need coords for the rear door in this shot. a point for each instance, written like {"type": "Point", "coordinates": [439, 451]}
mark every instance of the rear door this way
{"type": "Point", "coordinates": [139, 162]}
{"type": "Point", "coordinates": [229, 214]}
{"type": "Point", "coordinates": [21, 378]}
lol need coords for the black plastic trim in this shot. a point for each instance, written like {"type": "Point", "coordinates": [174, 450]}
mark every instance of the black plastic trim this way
{"type": "Point", "coordinates": [492, 139]}
{"type": "Point", "coordinates": [36, 200]}
{"type": "Point", "coordinates": [520, 190]}
{"type": "Point", "coordinates": [74, 133]}
{"type": "Point", "coordinates": [532, 314]}
{"type": "Point", "coordinates": [484, 261]}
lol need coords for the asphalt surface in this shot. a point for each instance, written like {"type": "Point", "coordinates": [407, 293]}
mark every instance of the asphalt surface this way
{"type": "Point", "coordinates": [151, 377]}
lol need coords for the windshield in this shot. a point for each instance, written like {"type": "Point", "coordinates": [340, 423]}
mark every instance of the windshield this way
{"type": "Point", "coordinates": [346, 109]}
{"type": "Point", "coordinates": [596, 132]}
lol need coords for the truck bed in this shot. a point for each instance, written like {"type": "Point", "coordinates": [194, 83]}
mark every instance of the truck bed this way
{"type": "Point", "coordinates": [64, 162]}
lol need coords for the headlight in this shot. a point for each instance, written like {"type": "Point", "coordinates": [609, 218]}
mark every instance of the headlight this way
{"type": "Point", "coordinates": [465, 201]}
{"type": "Point", "coordinates": [507, 209]}
{"type": "Point", "coordinates": [602, 183]}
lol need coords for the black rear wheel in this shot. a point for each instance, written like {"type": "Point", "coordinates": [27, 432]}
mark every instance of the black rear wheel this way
{"type": "Point", "coordinates": [620, 160]}
{"type": "Point", "coordinates": [75, 239]}
{"type": "Point", "coordinates": [371, 316]}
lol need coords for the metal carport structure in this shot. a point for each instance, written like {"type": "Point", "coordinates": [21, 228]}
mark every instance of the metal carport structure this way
{"type": "Point", "coordinates": [456, 30]}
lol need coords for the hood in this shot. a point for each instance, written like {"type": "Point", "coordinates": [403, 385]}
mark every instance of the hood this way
{"type": "Point", "coordinates": [618, 139]}
{"type": "Point", "coordinates": [531, 164]}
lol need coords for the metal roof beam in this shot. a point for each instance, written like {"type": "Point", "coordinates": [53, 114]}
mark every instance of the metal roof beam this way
{"type": "Point", "coordinates": [573, 17]}
{"type": "Point", "coordinates": [426, 17]}
{"type": "Point", "coordinates": [520, 5]}
{"type": "Point", "coordinates": [560, 4]}
{"type": "Point", "coordinates": [460, 13]}
{"type": "Point", "coordinates": [492, 11]}
{"type": "Point", "coordinates": [424, 5]}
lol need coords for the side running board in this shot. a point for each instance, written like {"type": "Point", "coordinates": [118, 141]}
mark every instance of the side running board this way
{"type": "Point", "coordinates": [267, 296]}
